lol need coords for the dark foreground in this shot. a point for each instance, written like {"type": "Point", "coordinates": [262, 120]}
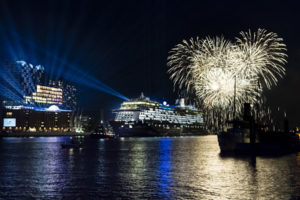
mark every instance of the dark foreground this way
{"type": "Point", "coordinates": [141, 168]}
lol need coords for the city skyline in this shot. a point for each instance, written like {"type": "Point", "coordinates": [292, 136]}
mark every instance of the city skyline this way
{"type": "Point", "coordinates": [124, 45]}
{"type": "Point", "coordinates": [151, 99]}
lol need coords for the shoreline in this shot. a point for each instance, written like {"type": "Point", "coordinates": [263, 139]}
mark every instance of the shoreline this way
{"type": "Point", "coordinates": [74, 134]}
{"type": "Point", "coordinates": [44, 134]}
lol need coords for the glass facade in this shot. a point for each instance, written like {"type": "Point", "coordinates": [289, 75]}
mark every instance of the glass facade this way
{"type": "Point", "coordinates": [37, 103]}
{"type": "Point", "coordinates": [45, 95]}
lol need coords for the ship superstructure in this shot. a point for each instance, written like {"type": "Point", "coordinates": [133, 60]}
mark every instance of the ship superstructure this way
{"type": "Point", "coordinates": [144, 117]}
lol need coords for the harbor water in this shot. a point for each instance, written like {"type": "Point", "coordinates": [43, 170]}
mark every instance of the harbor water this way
{"type": "Point", "coordinates": [141, 168]}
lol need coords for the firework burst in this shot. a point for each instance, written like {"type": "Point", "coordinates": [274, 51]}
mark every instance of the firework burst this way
{"type": "Point", "coordinates": [182, 61]}
{"type": "Point", "coordinates": [262, 54]}
{"type": "Point", "coordinates": [216, 89]}
{"type": "Point", "coordinates": [220, 72]}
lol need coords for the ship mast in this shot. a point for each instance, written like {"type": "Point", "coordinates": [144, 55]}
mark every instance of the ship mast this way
{"type": "Point", "coordinates": [234, 97]}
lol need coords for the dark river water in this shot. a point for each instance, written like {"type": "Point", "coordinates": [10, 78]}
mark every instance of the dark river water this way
{"type": "Point", "coordinates": [141, 168]}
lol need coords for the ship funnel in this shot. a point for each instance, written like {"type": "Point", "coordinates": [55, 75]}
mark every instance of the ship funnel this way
{"type": "Point", "coordinates": [181, 102]}
{"type": "Point", "coordinates": [247, 112]}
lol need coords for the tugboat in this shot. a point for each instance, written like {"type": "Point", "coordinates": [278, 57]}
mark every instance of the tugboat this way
{"type": "Point", "coordinates": [244, 137]}
{"type": "Point", "coordinates": [240, 137]}
{"type": "Point", "coordinates": [236, 138]}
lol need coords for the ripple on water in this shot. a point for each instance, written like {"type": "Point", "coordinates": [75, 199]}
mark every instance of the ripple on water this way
{"type": "Point", "coordinates": [141, 168]}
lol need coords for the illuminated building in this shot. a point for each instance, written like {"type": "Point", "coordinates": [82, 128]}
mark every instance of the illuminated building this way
{"type": "Point", "coordinates": [31, 76]}
{"type": "Point", "coordinates": [24, 83]}
{"type": "Point", "coordinates": [45, 95]}
{"type": "Point", "coordinates": [32, 119]}
{"type": "Point", "coordinates": [69, 95]}
{"type": "Point", "coordinates": [19, 79]}
{"type": "Point", "coordinates": [33, 103]}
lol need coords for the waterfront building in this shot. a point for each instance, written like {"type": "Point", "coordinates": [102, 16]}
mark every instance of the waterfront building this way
{"type": "Point", "coordinates": [31, 76]}
{"type": "Point", "coordinates": [31, 103]}
{"type": "Point", "coordinates": [69, 95]}
{"type": "Point", "coordinates": [18, 79]}
{"type": "Point", "coordinates": [32, 119]}
{"type": "Point", "coordinates": [45, 96]}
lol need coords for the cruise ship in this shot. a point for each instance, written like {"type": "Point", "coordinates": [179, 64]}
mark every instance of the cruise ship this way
{"type": "Point", "coordinates": [142, 117]}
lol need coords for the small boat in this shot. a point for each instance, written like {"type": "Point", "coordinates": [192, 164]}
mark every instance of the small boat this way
{"type": "Point", "coordinates": [101, 132]}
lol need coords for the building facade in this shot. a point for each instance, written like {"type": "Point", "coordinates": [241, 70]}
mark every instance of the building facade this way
{"type": "Point", "coordinates": [45, 96]}
{"type": "Point", "coordinates": [30, 102]}
{"type": "Point", "coordinates": [30, 119]}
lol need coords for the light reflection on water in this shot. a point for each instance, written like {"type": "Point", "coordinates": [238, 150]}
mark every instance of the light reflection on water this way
{"type": "Point", "coordinates": [141, 168]}
{"type": "Point", "coordinates": [297, 177]}
{"type": "Point", "coordinates": [165, 167]}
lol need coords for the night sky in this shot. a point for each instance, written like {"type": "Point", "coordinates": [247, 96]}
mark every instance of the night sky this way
{"type": "Point", "coordinates": [125, 44]}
